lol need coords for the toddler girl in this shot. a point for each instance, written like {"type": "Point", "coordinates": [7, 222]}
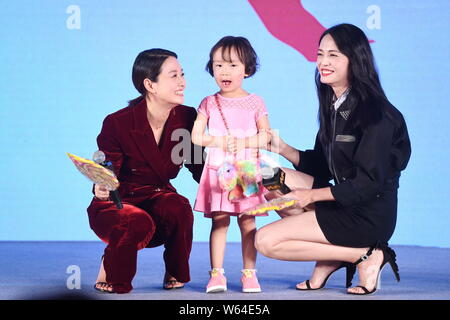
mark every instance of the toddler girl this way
{"type": "Point", "coordinates": [237, 126]}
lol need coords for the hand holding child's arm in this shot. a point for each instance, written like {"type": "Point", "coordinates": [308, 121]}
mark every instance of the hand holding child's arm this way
{"type": "Point", "coordinates": [261, 139]}
{"type": "Point", "coordinates": [199, 137]}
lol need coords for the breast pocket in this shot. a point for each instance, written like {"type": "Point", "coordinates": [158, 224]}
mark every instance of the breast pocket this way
{"type": "Point", "coordinates": [345, 138]}
{"type": "Point", "coordinates": [346, 144]}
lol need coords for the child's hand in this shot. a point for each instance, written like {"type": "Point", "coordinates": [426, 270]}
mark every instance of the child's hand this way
{"type": "Point", "coordinates": [235, 145]}
{"type": "Point", "coordinates": [240, 144]}
{"type": "Point", "coordinates": [231, 145]}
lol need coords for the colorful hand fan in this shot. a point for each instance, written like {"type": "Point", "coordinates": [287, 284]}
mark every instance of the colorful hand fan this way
{"type": "Point", "coordinates": [95, 172]}
{"type": "Point", "coordinates": [274, 204]}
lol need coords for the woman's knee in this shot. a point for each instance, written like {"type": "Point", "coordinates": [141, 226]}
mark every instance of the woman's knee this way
{"type": "Point", "coordinates": [179, 210]}
{"type": "Point", "coordinates": [297, 179]}
{"type": "Point", "coordinates": [264, 242]}
{"type": "Point", "coordinates": [140, 222]}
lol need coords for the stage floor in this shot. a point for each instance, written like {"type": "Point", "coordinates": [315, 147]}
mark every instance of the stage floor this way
{"type": "Point", "coordinates": [41, 270]}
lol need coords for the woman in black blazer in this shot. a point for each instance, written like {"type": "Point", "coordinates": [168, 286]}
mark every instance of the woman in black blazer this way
{"type": "Point", "coordinates": [362, 144]}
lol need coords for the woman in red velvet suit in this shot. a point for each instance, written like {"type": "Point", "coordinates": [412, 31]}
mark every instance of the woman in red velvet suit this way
{"type": "Point", "coordinates": [144, 142]}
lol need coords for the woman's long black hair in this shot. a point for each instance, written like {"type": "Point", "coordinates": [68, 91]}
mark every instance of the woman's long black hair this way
{"type": "Point", "coordinates": [366, 98]}
{"type": "Point", "coordinates": [147, 65]}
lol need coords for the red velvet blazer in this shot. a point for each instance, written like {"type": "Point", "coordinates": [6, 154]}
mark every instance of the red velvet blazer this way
{"type": "Point", "coordinates": [141, 165]}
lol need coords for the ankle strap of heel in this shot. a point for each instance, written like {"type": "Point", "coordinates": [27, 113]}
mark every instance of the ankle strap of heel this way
{"type": "Point", "coordinates": [364, 256]}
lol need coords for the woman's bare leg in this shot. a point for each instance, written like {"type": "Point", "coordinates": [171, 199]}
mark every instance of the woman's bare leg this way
{"type": "Point", "coordinates": [307, 241]}
{"type": "Point", "coordinates": [368, 272]}
{"type": "Point", "coordinates": [100, 283]}
{"type": "Point", "coordinates": [299, 238]}
{"type": "Point", "coordinates": [296, 179]}
{"type": "Point", "coordinates": [171, 282]}
{"type": "Point", "coordinates": [321, 270]}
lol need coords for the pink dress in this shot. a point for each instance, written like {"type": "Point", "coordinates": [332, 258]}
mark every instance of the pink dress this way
{"type": "Point", "coordinates": [241, 115]}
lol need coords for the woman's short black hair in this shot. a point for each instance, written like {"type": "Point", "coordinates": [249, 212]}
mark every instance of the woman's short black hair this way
{"type": "Point", "coordinates": [147, 65]}
{"type": "Point", "coordinates": [244, 50]}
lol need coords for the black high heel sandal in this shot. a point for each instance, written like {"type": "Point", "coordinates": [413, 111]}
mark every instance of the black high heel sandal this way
{"type": "Point", "coordinates": [350, 272]}
{"type": "Point", "coordinates": [389, 256]}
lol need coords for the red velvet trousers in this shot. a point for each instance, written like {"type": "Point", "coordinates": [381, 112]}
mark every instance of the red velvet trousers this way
{"type": "Point", "coordinates": [162, 217]}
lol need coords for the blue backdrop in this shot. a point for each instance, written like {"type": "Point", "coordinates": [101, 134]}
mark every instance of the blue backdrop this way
{"type": "Point", "coordinates": [65, 65]}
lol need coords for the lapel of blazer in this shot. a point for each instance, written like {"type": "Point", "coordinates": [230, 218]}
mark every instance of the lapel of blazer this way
{"type": "Point", "coordinates": [145, 141]}
{"type": "Point", "coordinates": [165, 141]}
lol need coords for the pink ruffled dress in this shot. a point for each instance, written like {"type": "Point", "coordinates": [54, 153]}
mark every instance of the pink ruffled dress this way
{"type": "Point", "coordinates": [241, 115]}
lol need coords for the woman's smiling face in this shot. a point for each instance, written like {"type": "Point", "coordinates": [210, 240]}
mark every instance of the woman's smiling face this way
{"type": "Point", "coordinates": [332, 65]}
{"type": "Point", "coordinates": [170, 85]}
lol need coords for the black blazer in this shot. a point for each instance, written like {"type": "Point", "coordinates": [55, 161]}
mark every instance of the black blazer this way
{"type": "Point", "coordinates": [363, 163]}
